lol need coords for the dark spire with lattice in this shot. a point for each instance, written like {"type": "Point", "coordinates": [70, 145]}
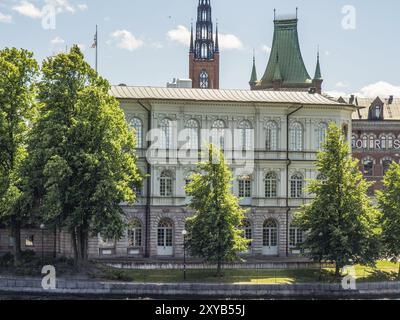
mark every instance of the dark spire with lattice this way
{"type": "Point", "coordinates": [204, 47]}
{"type": "Point", "coordinates": [191, 39]}
{"type": "Point", "coordinates": [216, 39]}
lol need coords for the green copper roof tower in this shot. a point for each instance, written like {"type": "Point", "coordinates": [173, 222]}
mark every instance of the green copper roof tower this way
{"type": "Point", "coordinates": [253, 78]}
{"type": "Point", "coordinates": [286, 69]}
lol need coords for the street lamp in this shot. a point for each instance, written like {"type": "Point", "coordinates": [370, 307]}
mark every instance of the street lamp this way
{"type": "Point", "coordinates": [184, 233]}
{"type": "Point", "coordinates": [42, 227]}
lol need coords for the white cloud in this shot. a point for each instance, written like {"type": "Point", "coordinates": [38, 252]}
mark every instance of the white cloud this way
{"type": "Point", "coordinates": [5, 18]}
{"type": "Point", "coordinates": [181, 34]}
{"type": "Point", "coordinates": [126, 40]}
{"type": "Point", "coordinates": [28, 9]}
{"type": "Point", "coordinates": [266, 49]}
{"type": "Point", "coordinates": [229, 42]}
{"type": "Point", "coordinates": [381, 88]}
{"type": "Point", "coordinates": [83, 7]}
{"type": "Point", "coordinates": [342, 84]}
{"type": "Point", "coordinates": [57, 41]}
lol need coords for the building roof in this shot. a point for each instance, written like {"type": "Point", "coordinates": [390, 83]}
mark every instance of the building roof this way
{"type": "Point", "coordinates": [291, 64]}
{"type": "Point", "coordinates": [390, 111]}
{"type": "Point", "coordinates": [289, 97]}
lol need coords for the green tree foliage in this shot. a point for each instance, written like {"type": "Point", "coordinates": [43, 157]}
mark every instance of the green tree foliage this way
{"type": "Point", "coordinates": [18, 72]}
{"type": "Point", "coordinates": [82, 162]}
{"type": "Point", "coordinates": [340, 221]}
{"type": "Point", "coordinates": [389, 204]}
{"type": "Point", "coordinates": [214, 232]}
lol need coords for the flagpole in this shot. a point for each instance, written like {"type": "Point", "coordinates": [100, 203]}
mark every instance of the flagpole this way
{"type": "Point", "coordinates": [97, 46]}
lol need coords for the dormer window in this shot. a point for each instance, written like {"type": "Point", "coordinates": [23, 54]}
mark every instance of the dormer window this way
{"type": "Point", "coordinates": [377, 112]}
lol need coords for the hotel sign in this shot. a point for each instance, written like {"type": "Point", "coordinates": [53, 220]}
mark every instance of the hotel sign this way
{"type": "Point", "coordinates": [377, 144]}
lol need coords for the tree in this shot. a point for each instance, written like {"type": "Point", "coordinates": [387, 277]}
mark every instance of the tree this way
{"type": "Point", "coordinates": [214, 232]}
{"type": "Point", "coordinates": [389, 204]}
{"type": "Point", "coordinates": [18, 71]}
{"type": "Point", "coordinates": [82, 162]}
{"type": "Point", "coordinates": [341, 220]}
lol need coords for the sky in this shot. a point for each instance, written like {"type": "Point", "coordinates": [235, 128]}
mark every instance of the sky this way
{"type": "Point", "coordinates": [146, 42]}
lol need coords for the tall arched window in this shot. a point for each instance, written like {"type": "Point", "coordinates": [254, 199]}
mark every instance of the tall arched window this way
{"type": "Point", "coordinates": [135, 233]}
{"type": "Point", "coordinates": [193, 134]}
{"type": "Point", "coordinates": [321, 134]}
{"type": "Point", "coordinates": [248, 231]}
{"type": "Point", "coordinates": [246, 141]}
{"type": "Point", "coordinates": [372, 142]}
{"type": "Point", "coordinates": [270, 233]}
{"type": "Point", "coordinates": [296, 186]}
{"type": "Point", "coordinates": [271, 136]}
{"type": "Point", "coordinates": [296, 137]}
{"type": "Point", "coordinates": [166, 184]}
{"type": "Point", "coordinates": [204, 82]}
{"type": "Point", "coordinates": [165, 232]}
{"type": "Point", "coordinates": [166, 131]}
{"type": "Point", "coordinates": [271, 185]}
{"type": "Point", "coordinates": [296, 236]}
{"type": "Point", "coordinates": [218, 133]}
{"type": "Point", "coordinates": [365, 142]}
{"type": "Point", "coordinates": [383, 141]}
{"type": "Point", "coordinates": [390, 142]}
{"type": "Point", "coordinates": [137, 124]}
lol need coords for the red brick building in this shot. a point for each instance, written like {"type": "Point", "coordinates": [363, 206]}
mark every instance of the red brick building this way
{"type": "Point", "coordinates": [376, 136]}
{"type": "Point", "coordinates": [204, 50]}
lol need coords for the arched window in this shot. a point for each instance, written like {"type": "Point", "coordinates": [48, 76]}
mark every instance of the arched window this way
{"type": "Point", "coordinates": [244, 187]}
{"type": "Point", "coordinates": [296, 186]}
{"type": "Point", "coordinates": [204, 82]}
{"type": "Point", "coordinates": [368, 164]}
{"type": "Point", "coordinates": [365, 142]}
{"type": "Point", "coordinates": [137, 124]}
{"type": "Point", "coordinates": [271, 185]}
{"type": "Point", "coordinates": [296, 137]}
{"type": "Point", "coordinates": [166, 131]}
{"type": "Point", "coordinates": [383, 141]}
{"type": "Point", "coordinates": [246, 141]}
{"type": "Point", "coordinates": [135, 233]}
{"type": "Point", "coordinates": [386, 163]}
{"type": "Point", "coordinates": [248, 231]}
{"type": "Point", "coordinates": [166, 184]}
{"type": "Point", "coordinates": [321, 134]}
{"type": "Point", "coordinates": [372, 142]}
{"type": "Point", "coordinates": [218, 133]}
{"type": "Point", "coordinates": [165, 232]}
{"type": "Point", "coordinates": [193, 134]}
{"type": "Point", "coordinates": [296, 236]}
{"type": "Point", "coordinates": [270, 233]}
{"type": "Point", "coordinates": [377, 112]}
{"type": "Point", "coordinates": [390, 142]}
{"type": "Point", "coordinates": [271, 136]}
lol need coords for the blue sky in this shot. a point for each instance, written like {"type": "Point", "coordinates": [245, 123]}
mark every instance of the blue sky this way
{"type": "Point", "coordinates": [143, 42]}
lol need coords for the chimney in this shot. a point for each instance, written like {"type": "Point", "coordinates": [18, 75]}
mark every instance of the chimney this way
{"type": "Point", "coordinates": [351, 99]}
{"type": "Point", "coordinates": [391, 98]}
{"type": "Point", "coordinates": [312, 90]}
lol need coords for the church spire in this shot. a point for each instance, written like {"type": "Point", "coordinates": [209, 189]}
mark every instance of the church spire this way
{"type": "Point", "coordinates": [318, 75]}
{"type": "Point", "coordinates": [191, 39]}
{"type": "Point", "coordinates": [216, 39]}
{"type": "Point", "coordinates": [253, 79]}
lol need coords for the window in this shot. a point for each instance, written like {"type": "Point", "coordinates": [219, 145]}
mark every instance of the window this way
{"type": "Point", "coordinates": [368, 165]}
{"type": "Point", "coordinates": [30, 240]}
{"type": "Point", "coordinates": [246, 142]}
{"type": "Point", "coordinates": [296, 236]}
{"type": "Point", "coordinates": [166, 131]}
{"type": "Point", "coordinates": [386, 164]}
{"type": "Point", "coordinates": [136, 124]}
{"type": "Point", "coordinates": [321, 134]}
{"type": "Point", "coordinates": [248, 231]}
{"type": "Point", "coordinates": [165, 184]}
{"type": "Point", "coordinates": [193, 134]}
{"type": "Point", "coordinates": [296, 186]}
{"type": "Point", "coordinates": [383, 142]}
{"type": "Point", "coordinates": [218, 133]}
{"type": "Point", "coordinates": [245, 187]}
{"type": "Point", "coordinates": [204, 83]}
{"type": "Point", "coordinates": [271, 136]}
{"type": "Point", "coordinates": [271, 185]}
{"type": "Point", "coordinates": [390, 142]}
{"type": "Point", "coordinates": [164, 233]}
{"type": "Point", "coordinates": [270, 233]}
{"type": "Point", "coordinates": [353, 142]}
{"type": "Point", "coordinates": [365, 142]}
{"type": "Point", "coordinates": [377, 112]}
{"type": "Point", "coordinates": [372, 142]}
{"type": "Point", "coordinates": [296, 137]}
{"type": "Point", "coordinates": [135, 234]}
